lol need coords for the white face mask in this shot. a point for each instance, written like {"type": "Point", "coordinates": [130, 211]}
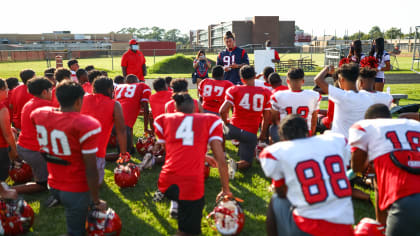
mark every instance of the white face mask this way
{"type": "Point", "coordinates": [135, 47]}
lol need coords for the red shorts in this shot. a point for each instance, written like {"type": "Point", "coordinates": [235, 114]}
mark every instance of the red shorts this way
{"type": "Point", "coordinates": [190, 187]}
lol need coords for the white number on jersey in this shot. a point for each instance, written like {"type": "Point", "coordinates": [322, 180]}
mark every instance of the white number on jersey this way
{"type": "Point", "coordinates": [257, 102]}
{"type": "Point", "coordinates": [130, 90]}
{"type": "Point", "coordinates": [185, 131]}
{"type": "Point", "coordinates": [57, 137]}
{"type": "Point", "coordinates": [208, 89]}
{"type": "Point", "coordinates": [228, 60]}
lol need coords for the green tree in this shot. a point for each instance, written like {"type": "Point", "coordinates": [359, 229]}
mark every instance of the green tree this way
{"type": "Point", "coordinates": [393, 33]}
{"type": "Point", "coordinates": [375, 32]}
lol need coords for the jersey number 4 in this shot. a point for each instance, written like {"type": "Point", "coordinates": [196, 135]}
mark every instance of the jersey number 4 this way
{"type": "Point", "coordinates": [185, 131]}
{"type": "Point", "coordinates": [313, 185]}
{"type": "Point", "coordinates": [56, 137]}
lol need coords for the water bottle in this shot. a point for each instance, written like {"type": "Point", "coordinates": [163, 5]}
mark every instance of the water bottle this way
{"type": "Point", "coordinates": [388, 90]}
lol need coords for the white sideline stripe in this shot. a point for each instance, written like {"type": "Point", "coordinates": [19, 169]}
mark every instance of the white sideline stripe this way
{"type": "Point", "coordinates": [91, 151]}
{"type": "Point", "coordinates": [90, 133]}
{"type": "Point", "coordinates": [215, 138]}
{"type": "Point", "coordinates": [158, 127]}
{"type": "Point", "coordinates": [215, 124]}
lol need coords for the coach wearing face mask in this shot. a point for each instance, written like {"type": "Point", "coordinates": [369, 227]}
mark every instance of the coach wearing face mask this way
{"type": "Point", "coordinates": [133, 61]}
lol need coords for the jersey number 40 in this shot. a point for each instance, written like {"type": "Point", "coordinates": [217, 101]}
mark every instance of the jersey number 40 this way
{"type": "Point", "coordinates": [257, 102]}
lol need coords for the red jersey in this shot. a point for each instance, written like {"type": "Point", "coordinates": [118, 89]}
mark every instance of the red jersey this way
{"type": "Point", "coordinates": [134, 62]}
{"type": "Point", "coordinates": [54, 100]}
{"type": "Point", "coordinates": [130, 96]}
{"type": "Point", "coordinates": [248, 105]}
{"type": "Point", "coordinates": [6, 102]}
{"type": "Point", "coordinates": [158, 101]}
{"type": "Point", "coordinates": [280, 88]}
{"type": "Point", "coordinates": [66, 136]}
{"type": "Point", "coordinates": [87, 87]}
{"type": "Point", "coordinates": [170, 106]}
{"type": "Point", "coordinates": [327, 121]}
{"type": "Point", "coordinates": [379, 138]}
{"type": "Point", "coordinates": [186, 137]}
{"type": "Point", "coordinates": [19, 98]}
{"type": "Point", "coordinates": [27, 137]}
{"type": "Point", "coordinates": [3, 143]}
{"type": "Point", "coordinates": [101, 108]}
{"type": "Point", "coordinates": [213, 93]}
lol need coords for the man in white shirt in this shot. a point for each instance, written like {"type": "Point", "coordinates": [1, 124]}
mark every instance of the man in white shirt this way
{"type": "Point", "coordinates": [350, 105]}
{"type": "Point", "coordinates": [366, 84]}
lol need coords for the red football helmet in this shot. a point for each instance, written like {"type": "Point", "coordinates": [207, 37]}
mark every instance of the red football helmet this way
{"type": "Point", "coordinates": [103, 223]}
{"type": "Point", "coordinates": [228, 217]}
{"type": "Point", "coordinates": [126, 176]}
{"type": "Point", "coordinates": [369, 227]}
{"type": "Point", "coordinates": [259, 148]}
{"type": "Point", "coordinates": [16, 217]}
{"type": "Point", "coordinates": [206, 170]}
{"type": "Point", "coordinates": [20, 172]}
{"type": "Point", "coordinates": [145, 144]}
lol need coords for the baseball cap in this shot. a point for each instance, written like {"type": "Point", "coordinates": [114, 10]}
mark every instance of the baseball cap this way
{"type": "Point", "coordinates": [132, 42]}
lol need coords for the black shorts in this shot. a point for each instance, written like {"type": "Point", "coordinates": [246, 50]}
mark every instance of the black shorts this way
{"type": "Point", "coordinates": [189, 212]}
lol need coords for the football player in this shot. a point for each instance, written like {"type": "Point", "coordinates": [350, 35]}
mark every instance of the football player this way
{"type": "Point", "coordinates": [7, 139]}
{"type": "Point", "coordinates": [275, 81]}
{"type": "Point", "coordinates": [296, 101]}
{"type": "Point", "coordinates": [265, 82]}
{"type": "Point", "coordinates": [180, 86]}
{"type": "Point", "coordinates": [60, 75]}
{"type": "Point", "coordinates": [185, 135]}
{"type": "Point", "coordinates": [213, 90]}
{"type": "Point", "coordinates": [83, 78]}
{"type": "Point", "coordinates": [249, 103]}
{"type": "Point", "coordinates": [232, 59]}
{"type": "Point", "coordinates": [27, 144]}
{"type": "Point", "coordinates": [366, 85]}
{"type": "Point", "coordinates": [108, 112]}
{"type": "Point", "coordinates": [392, 148]}
{"type": "Point", "coordinates": [69, 141]}
{"type": "Point", "coordinates": [133, 96]}
{"type": "Point", "coordinates": [20, 96]}
{"type": "Point", "coordinates": [349, 104]}
{"type": "Point", "coordinates": [313, 194]}
{"type": "Point", "coordinates": [160, 98]}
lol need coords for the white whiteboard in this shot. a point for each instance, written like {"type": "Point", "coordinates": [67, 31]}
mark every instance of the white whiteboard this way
{"type": "Point", "coordinates": [263, 58]}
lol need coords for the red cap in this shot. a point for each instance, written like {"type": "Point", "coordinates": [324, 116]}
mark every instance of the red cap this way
{"type": "Point", "coordinates": [132, 42]}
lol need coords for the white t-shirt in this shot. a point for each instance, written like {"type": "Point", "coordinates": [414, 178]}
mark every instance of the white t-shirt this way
{"type": "Point", "coordinates": [315, 174]}
{"type": "Point", "coordinates": [262, 83]}
{"type": "Point", "coordinates": [381, 64]}
{"type": "Point", "coordinates": [379, 97]}
{"type": "Point", "coordinates": [349, 108]}
{"type": "Point", "coordinates": [354, 58]}
{"type": "Point", "coordinates": [303, 103]}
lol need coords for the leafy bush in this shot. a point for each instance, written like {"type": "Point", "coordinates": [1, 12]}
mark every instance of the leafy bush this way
{"type": "Point", "coordinates": [178, 63]}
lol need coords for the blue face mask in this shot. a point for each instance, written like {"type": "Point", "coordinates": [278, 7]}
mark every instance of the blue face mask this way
{"type": "Point", "coordinates": [135, 47]}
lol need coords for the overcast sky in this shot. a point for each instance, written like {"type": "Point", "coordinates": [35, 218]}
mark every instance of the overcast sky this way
{"type": "Point", "coordinates": [94, 16]}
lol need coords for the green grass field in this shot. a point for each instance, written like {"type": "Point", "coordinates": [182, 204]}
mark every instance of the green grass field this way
{"type": "Point", "coordinates": [12, 69]}
{"type": "Point", "coordinates": [141, 216]}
